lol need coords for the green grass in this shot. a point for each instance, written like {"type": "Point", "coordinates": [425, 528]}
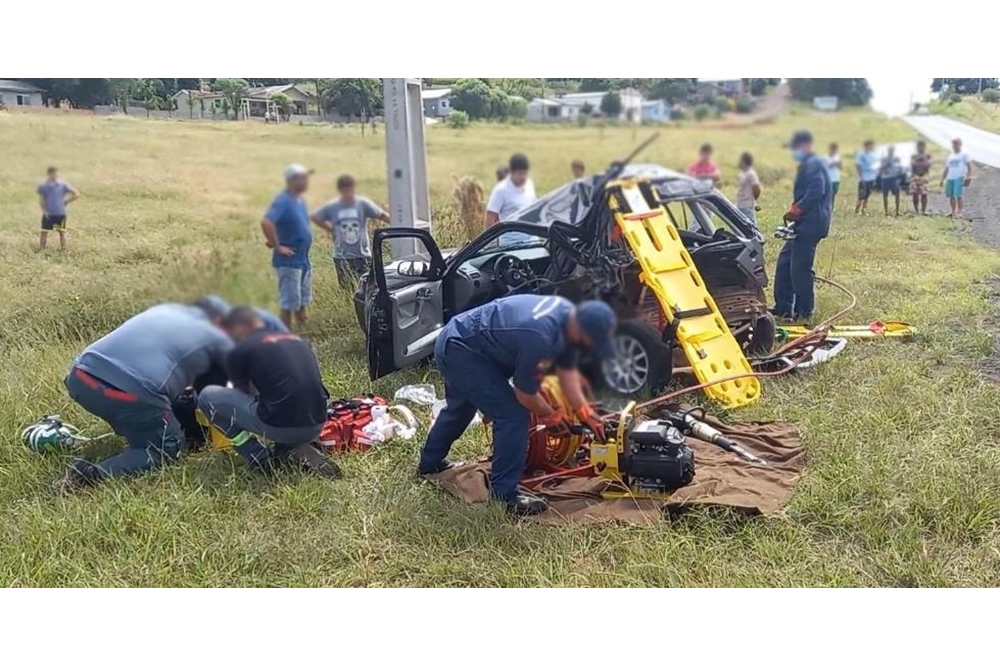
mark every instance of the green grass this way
{"type": "Point", "coordinates": [900, 489]}
{"type": "Point", "coordinates": [985, 115]}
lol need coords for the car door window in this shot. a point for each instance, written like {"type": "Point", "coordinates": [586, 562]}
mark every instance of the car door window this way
{"type": "Point", "coordinates": [679, 214]}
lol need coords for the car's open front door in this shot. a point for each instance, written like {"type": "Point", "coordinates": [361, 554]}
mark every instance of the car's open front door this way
{"type": "Point", "coordinates": [406, 312]}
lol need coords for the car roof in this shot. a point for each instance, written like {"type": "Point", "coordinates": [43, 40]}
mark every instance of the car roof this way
{"type": "Point", "coordinates": [570, 202]}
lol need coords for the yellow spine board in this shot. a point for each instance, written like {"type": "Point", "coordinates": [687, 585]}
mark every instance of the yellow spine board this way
{"type": "Point", "coordinates": [216, 438]}
{"type": "Point", "coordinates": [670, 273]}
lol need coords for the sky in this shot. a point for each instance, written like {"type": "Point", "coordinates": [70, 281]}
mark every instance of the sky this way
{"type": "Point", "coordinates": [895, 95]}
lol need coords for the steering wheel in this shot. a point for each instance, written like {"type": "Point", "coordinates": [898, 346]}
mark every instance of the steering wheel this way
{"type": "Point", "coordinates": [512, 272]}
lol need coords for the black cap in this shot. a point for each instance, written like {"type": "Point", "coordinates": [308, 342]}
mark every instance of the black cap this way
{"type": "Point", "coordinates": [799, 138]}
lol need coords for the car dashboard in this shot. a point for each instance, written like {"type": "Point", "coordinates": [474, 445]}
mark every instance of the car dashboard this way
{"type": "Point", "coordinates": [495, 274]}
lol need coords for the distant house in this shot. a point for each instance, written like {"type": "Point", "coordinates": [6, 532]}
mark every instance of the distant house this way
{"type": "Point", "coordinates": [257, 102]}
{"type": "Point", "coordinates": [655, 111]}
{"type": "Point", "coordinates": [570, 106]}
{"type": "Point", "coordinates": [631, 103]}
{"type": "Point", "coordinates": [201, 103]}
{"type": "Point", "coordinates": [20, 94]}
{"type": "Point", "coordinates": [826, 103]}
{"type": "Point", "coordinates": [541, 110]}
{"type": "Point", "coordinates": [437, 102]}
{"type": "Point", "coordinates": [724, 87]}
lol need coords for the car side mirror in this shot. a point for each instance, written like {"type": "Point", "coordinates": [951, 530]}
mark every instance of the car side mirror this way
{"type": "Point", "coordinates": [414, 269]}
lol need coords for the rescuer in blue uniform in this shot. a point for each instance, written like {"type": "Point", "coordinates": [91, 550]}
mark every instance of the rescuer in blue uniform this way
{"type": "Point", "coordinates": [493, 359]}
{"type": "Point", "coordinates": [810, 212]}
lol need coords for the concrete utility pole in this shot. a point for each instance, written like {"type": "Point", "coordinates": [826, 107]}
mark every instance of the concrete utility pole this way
{"type": "Point", "coordinates": [406, 162]}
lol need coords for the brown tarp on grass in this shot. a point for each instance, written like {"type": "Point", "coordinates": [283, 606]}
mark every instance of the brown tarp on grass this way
{"type": "Point", "coordinates": [721, 479]}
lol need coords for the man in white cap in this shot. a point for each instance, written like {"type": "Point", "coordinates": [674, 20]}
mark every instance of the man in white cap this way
{"type": "Point", "coordinates": [286, 229]}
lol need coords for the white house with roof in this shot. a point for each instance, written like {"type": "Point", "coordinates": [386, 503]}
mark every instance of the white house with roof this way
{"type": "Point", "coordinates": [20, 94]}
{"type": "Point", "coordinates": [260, 100]}
{"type": "Point", "coordinates": [257, 102]}
{"type": "Point", "coordinates": [198, 103]}
{"type": "Point", "coordinates": [543, 110]}
{"type": "Point", "coordinates": [569, 106]}
{"type": "Point", "coordinates": [655, 111]}
{"type": "Point", "coordinates": [436, 101]}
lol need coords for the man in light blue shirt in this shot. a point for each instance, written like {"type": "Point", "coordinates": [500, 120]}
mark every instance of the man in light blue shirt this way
{"type": "Point", "coordinates": [133, 377]}
{"type": "Point", "coordinates": [867, 167]}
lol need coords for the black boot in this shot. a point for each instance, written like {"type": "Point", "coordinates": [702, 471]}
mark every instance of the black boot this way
{"type": "Point", "coordinates": [526, 504]}
{"type": "Point", "coordinates": [440, 468]}
{"type": "Point", "coordinates": [81, 474]}
{"type": "Point", "coordinates": [315, 461]}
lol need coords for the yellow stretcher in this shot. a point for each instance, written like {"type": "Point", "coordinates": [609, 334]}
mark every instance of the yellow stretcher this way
{"type": "Point", "coordinates": [877, 329]}
{"type": "Point", "coordinates": [667, 268]}
{"type": "Point", "coordinates": [216, 438]}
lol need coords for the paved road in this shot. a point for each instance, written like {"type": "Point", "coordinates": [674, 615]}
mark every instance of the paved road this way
{"type": "Point", "coordinates": [982, 146]}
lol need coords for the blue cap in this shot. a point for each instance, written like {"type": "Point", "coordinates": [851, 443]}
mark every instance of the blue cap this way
{"type": "Point", "coordinates": [214, 305]}
{"type": "Point", "coordinates": [800, 137]}
{"type": "Point", "coordinates": [598, 321]}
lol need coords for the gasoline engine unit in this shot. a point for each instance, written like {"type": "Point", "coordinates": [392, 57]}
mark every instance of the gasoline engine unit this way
{"type": "Point", "coordinates": [647, 458]}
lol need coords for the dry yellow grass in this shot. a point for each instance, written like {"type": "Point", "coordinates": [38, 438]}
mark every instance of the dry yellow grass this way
{"type": "Point", "coordinates": [901, 487]}
{"type": "Point", "coordinates": [470, 204]}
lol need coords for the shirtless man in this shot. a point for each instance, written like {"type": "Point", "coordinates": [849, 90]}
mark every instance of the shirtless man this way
{"type": "Point", "coordinates": [920, 165]}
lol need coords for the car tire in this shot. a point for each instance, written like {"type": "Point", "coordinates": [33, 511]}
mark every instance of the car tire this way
{"type": "Point", "coordinates": [765, 334]}
{"type": "Point", "coordinates": [644, 365]}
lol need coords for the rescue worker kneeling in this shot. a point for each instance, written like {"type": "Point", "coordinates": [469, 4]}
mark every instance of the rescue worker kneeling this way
{"type": "Point", "coordinates": [517, 337]}
{"type": "Point", "coordinates": [134, 377]}
{"type": "Point", "coordinates": [278, 395]}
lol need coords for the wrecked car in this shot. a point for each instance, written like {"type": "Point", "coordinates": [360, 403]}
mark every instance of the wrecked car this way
{"type": "Point", "coordinates": [566, 243]}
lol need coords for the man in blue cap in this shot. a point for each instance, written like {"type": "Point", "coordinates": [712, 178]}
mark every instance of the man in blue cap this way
{"type": "Point", "coordinates": [493, 359]}
{"type": "Point", "coordinates": [809, 214]}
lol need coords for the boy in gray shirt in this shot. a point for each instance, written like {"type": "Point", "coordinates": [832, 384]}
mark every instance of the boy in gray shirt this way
{"type": "Point", "coordinates": [346, 218]}
{"type": "Point", "coordinates": [133, 377]}
{"type": "Point", "coordinates": [53, 195]}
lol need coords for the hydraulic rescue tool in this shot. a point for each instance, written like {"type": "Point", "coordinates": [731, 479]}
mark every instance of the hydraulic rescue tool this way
{"type": "Point", "coordinates": [688, 424]}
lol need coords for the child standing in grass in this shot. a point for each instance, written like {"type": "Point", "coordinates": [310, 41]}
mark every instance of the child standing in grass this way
{"type": "Point", "coordinates": [920, 166]}
{"type": "Point", "coordinates": [346, 219]}
{"type": "Point", "coordinates": [890, 172]}
{"type": "Point", "coordinates": [748, 189]}
{"type": "Point", "coordinates": [867, 167]}
{"type": "Point", "coordinates": [53, 196]}
{"type": "Point", "coordinates": [833, 164]}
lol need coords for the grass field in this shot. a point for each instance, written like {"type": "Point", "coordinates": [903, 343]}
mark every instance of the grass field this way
{"type": "Point", "coordinates": [901, 487]}
{"type": "Point", "coordinates": [970, 110]}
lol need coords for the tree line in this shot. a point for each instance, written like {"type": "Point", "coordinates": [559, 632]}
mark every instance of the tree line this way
{"type": "Point", "coordinates": [849, 92]}
{"type": "Point", "coordinates": [964, 86]}
{"type": "Point", "coordinates": [349, 98]}
{"type": "Point", "coordinates": [358, 98]}
{"type": "Point", "coordinates": [479, 98]}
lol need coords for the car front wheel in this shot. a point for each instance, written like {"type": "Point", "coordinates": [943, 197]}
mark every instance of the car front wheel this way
{"type": "Point", "coordinates": [642, 365]}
